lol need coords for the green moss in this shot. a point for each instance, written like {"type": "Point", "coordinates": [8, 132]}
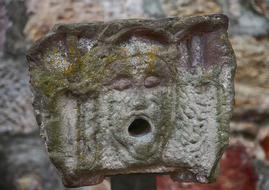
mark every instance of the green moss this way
{"type": "Point", "coordinates": [222, 133]}
{"type": "Point", "coordinates": [53, 130]}
{"type": "Point", "coordinates": [81, 156]}
{"type": "Point", "coordinates": [53, 127]}
{"type": "Point", "coordinates": [59, 162]}
{"type": "Point", "coordinates": [151, 63]}
{"type": "Point", "coordinates": [47, 83]}
{"type": "Point", "coordinates": [86, 73]}
{"type": "Point", "coordinates": [55, 139]}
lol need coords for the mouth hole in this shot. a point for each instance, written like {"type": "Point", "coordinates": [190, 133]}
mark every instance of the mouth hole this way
{"type": "Point", "coordinates": [139, 127]}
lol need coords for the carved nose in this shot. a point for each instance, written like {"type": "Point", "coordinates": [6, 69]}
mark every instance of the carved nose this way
{"type": "Point", "coordinates": [139, 103]}
{"type": "Point", "coordinates": [139, 127]}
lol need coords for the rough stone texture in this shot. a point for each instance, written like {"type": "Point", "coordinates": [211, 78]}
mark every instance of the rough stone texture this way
{"type": "Point", "coordinates": [190, 7]}
{"type": "Point", "coordinates": [4, 26]}
{"type": "Point", "coordinates": [263, 141]}
{"type": "Point", "coordinates": [237, 172]}
{"type": "Point", "coordinates": [69, 11]}
{"type": "Point", "coordinates": [20, 175]}
{"type": "Point", "coordinates": [135, 96]}
{"type": "Point", "coordinates": [16, 113]}
{"type": "Point", "coordinates": [252, 95]}
{"type": "Point", "coordinates": [251, 113]}
{"type": "Point", "coordinates": [247, 16]}
{"type": "Point", "coordinates": [24, 163]}
{"type": "Point", "coordinates": [253, 59]}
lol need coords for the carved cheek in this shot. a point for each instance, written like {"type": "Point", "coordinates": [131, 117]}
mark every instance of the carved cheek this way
{"type": "Point", "coordinates": [151, 81]}
{"type": "Point", "coordinates": [122, 84]}
{"type": "Point", "coordinates": [117, 103]}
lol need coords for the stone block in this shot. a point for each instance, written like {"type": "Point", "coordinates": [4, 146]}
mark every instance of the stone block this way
{"type": "Point", "coordinates": [135, 96]}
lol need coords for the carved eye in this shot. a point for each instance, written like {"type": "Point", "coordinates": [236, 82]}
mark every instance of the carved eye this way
{"type": "Point", "coordinates": [151, 81]}
{"type": "Point", "coordinates": [122, 84]}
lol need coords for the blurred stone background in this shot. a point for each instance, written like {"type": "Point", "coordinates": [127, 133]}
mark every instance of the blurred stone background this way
{"type": "Point", "coordinates": [24, 164]}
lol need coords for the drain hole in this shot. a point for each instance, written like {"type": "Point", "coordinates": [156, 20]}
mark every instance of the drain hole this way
{"type": "Point", "coordinates": [139, 127]}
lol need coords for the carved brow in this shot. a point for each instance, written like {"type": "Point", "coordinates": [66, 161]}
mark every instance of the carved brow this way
{"type": "Point", "coordinates": [198, 28]}
{"type": "Point", "coordinates": [125, 34]}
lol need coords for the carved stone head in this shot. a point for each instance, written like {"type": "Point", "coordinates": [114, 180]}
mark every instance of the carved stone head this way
{"type": "Point", "coordinates": [135, 96]}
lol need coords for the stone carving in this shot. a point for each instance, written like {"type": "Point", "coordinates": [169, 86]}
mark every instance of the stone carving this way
{"type": "Point", "coordinates": [135, 96]}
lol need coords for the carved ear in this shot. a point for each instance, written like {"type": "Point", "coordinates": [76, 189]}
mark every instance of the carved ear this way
{"type": "Point", "coordinates": [56, 60]}
{"type": "Point", "coordinates": [63, 45]}
{"type": "Point", "coordinates": [58, 51]}
{"type": "Point", "coordinates": [204, 44]}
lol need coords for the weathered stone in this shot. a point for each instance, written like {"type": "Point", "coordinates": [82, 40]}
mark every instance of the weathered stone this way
{"type": "Point", "coordinates": [247, 16]}
{"type": "Point", "coordinates": [262, 169]}
{"type": "Point", "coordinates": [190, 7]}
{"type": "Point", "coordinates": [25, 165]}
{"type": "Point", "coordinates": [261, 6]}
{"type": "Point", "coordinates": [263, 139]}
{"type": "Point", "coordinates": [69, 11]}
{"type": "Point", "coordinates": [153, 8]}
{"type": "Point", "coordinates": [4, 26]}
{"type": "Point", "coordinates": [16, 113]}
{"type": "Point", "coordinates": [253, 61]}
{"type": "Point", "coordinates": [252, 82]}
{"type": "Point", "coordinates": [237, 171]}
{"type": "Point", "coordinates": [135, 96]}
{"type": "Point", "coordinates": [64, 11]}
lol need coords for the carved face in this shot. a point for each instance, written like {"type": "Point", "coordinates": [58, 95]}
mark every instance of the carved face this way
{"type": "Point", "coordinates": [135, 97]}
{"type": "Point", "coordinates": [135, 104]}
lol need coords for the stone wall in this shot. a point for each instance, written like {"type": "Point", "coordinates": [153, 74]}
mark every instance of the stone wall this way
{"type": "Point", "coordinates": [23, 161]}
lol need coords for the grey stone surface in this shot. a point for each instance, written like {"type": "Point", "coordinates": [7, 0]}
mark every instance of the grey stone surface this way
{"type": "Point", "coordinates": [247, 16]}
{"type": "Point", "coordinates": [153, 8]}
{"type": "Point", "coordinates": [16, 113]}
{"type": "Point", "coordinates": [262, 170]}
{"type": "Point", "coordinates": [4, 26]}
{"type": "Point", "coordinates": [25, 164]}
{"type": "Point", "coordinates": [135, 96]}
{"type": "Point", "coordinates": [251, 108]}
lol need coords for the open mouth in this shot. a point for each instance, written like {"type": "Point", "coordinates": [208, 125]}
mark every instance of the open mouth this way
{"type": "Point", "coordinates": [139, 127]}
